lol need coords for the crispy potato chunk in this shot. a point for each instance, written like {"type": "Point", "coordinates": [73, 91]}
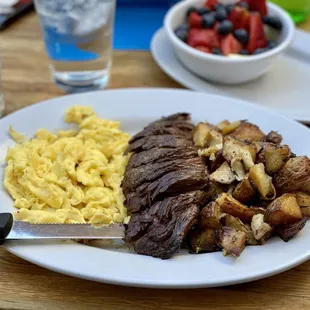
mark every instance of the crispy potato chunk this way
{"type": "Point", "coordinates": [223, 124]}
{"type": "Point", "coordinates": [274, 137]}
{"type": "Point", "coordinates": [261, 230]}
{"type": "Point", "coordinates": [232, 241]}
{"type": "Point", "coordinates": [234, 222]}
{"type": "Point", "coordinates": [213, 142]}
{"type": "Point", "coordinates": [201, 133]}
{"type": "Point", "coordinates": [273, 156]}
{"type": "Point", "coordinates": [223, 174]}
{"type": "Point", "coordinates": [217, 161]}
{"type": "Point", "coordinates": [283, 210]}
{"type": "Point", "coordinates": [233, 149]}
{"type": "Point", "coordinates": [203, 240]}
{"type": "Point", "coordinates": [210, 216]}
{"type": "Point", "coordinates": [244, 191]}
{"type": "Point", "coordinates": [230, 128]}
{"type": "Point", "coordinates": [294, 175]}
{"type": "Point", "coordinates": [214, 190]}
{"type": "Point", "coordinates": [262, 181]}
{"type": "Point", "coordinates": [303, 200]}
{"type": "Point", "coordinates": [248, 132]}
{"type": "Point", "coordinates": [231, 206]}
{"type": "Point", "coordinates": [286, 233]}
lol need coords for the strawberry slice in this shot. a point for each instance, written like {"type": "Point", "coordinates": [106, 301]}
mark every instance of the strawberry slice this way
{"type": "Point", "coordinates": [194, 20]}
{"type": "Point", "coordinates": [203, 37]}
{"type": "Point", "coordinates": [211, 4]}
{"type": "Point", "coordinates": [203, 49]}
{"type": "Point", "coordinates": [230, 45]}
{"type": "Point", "coordinates": [258, 5]}
{"type": "Point", "coordinates": [239, 17]}
{"type": "Point", "coordinates": [257, 34]}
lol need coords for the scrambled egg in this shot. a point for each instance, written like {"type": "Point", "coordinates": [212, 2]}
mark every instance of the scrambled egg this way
{"type": "Point", "coordinates": [73, 176]}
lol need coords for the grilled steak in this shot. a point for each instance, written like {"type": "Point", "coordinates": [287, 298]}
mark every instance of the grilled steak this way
{"type": "Point", "coordinates": [163, 186]}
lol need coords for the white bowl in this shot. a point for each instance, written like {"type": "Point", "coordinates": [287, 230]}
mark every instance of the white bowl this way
{"type": "Point", "coordinates": [220, 69]}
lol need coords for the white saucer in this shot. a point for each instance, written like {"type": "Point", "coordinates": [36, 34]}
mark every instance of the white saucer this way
{"type": "Point", "coordinates": [285, 88]}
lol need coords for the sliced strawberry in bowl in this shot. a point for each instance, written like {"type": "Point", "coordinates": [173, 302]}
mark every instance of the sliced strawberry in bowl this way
{"type": "Point", "coordinates": [211, 4]}
{"type": "Point", "coordinates": [194, 20]}
{"type": "Point", "coordinates": [203, 37]}
{"type": "Point", "coordinates": [257, 37]}
{"type": "Point", "coordinates": [230, 45]}
{"type": "Point", "coordinates": [259, 6]}
{"type": "Point", "coordinates": [239, 17]}
{"type": "Point", "coordinates": [203, 49]}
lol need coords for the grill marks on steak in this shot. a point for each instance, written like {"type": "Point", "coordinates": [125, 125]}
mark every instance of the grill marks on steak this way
{"type": "Point", "coordinates": [163, 186]}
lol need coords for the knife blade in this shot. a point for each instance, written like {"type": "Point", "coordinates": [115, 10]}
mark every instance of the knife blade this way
{"type": "Point", "coordinates": [17, 230]}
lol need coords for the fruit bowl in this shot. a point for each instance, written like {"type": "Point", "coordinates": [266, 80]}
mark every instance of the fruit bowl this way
{"type": "Point", "coordinates": [222, 69]}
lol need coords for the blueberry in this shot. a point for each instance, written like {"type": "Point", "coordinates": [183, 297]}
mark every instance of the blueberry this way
{"type": "Point", "coordinates": [202, 11]}
{"type": "Point", "coordinates": [182, 34]}
{"type": "Point", "coordinates": [244, 52]}
{"type": "Point", "coordinates": [225, 27]}
{"type": "Point", "coordinates": [229, 8]}
{"type": "Point", "coordinates": [183, 27]}
{"type": "Point", "coordinates": [219, 6]}
{"type": "Point", "coordinates": [216, 51]}
{"type": "Point", "coordinates": [260, 51]}
{"type": "Point", "coordinates": [243, 4]}
{"type": "Point", "coordinates": [242, 35]}
{"type": "Point", "coordinates": [220, 14]}
{"type": "Point", "coordinates": [273, 22]}
{"type": "Point", "coordinates": [190, 10]}
{"type": "Point", "coordinates": [208, 20]}
{"type": "Point", "coordinates": [271, 44]}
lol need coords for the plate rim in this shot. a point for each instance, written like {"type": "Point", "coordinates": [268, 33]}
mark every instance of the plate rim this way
{"type": "Point", "coordinates": [15, 249]}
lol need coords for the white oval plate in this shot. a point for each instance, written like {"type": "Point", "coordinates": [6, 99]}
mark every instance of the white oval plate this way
{"type": "Point", "coordinates": [284, 88]}
{"type": "Point", "coordinates": [135, 108]}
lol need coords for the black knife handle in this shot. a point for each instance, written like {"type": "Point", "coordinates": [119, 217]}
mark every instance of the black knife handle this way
{"type": "Point", "coordinates": [6, 223]}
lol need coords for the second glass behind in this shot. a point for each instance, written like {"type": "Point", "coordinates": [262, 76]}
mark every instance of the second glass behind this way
{"type": "Point", "coordinates": [78, 38]}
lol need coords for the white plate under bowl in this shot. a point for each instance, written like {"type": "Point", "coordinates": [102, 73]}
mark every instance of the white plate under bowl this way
{"type": "Point", "coordinates": [135, 108]}
{"type": "Point", "coordinates": [285, 88]}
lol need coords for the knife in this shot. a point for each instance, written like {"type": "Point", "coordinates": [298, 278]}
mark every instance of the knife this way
{"type": "Point", "coordinates": [17, 230]}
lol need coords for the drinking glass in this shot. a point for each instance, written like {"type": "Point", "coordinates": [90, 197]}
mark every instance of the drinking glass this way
{"type": "Point", "coordinates": [78, 40]}
{"type": "Point", "coordinates": [298, 9]}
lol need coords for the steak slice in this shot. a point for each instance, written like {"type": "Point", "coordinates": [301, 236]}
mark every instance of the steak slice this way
{"type": "Point", "coordinates": [160, 155]}
{"type": "Point", "coordinates": [147, 173]}
{"type": "Point", "coordinates": [172, 218]}
{"type": "Point", "coordinates": [162, 141]}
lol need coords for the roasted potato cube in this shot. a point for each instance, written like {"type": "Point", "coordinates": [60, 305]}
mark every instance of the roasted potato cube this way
{"type": "Point", "coordinates": [248, 132]}
{"type": "Point", "coordinates": [214, 190]}
{"type": "Point", "coordinates": [223, 124]}
{"type": "Point", "coordinates": [214, 143]}
{"type": "Point", "coordinates": [238, 169]}
{"type": "Point", "coordinates": [234, 222]}
{"type": "Point", "coordinates": [274, 137]}
{"type": "Point", "coordinates": [210, 216]}
{"type": "Point", "coordinates": [286, 233]}
{"type": "Point", "coordinates": [201, 133]}
{"type": "Point", "coordinates": [273, 156]}
{"type": "Point", "coordinates": [230, 128]}
{"type": "Point", "coordinates": [283, 210]}
{"type": "Point", "coordinates": [231, 206]}
{"type": "Point", "coordinates": [262, 181]}
{"type": "Point", "coordinates": [203, 240]}
{"type": "Point", "coordinates": [223, 174]}
{"type": "Point", "coordinates": [303, 200]}
{"type": "Point", "coordinates": [217, 161]}
{"type": "Point", "coordinates": [306, 187]}
{"type": "Point", "coordinates": [244, 191]}
{"type": "Point", "coordinates": [261, 230]}
{"type": "Point", "coordinates": [293, 176]}
{"type": "Point", "coordinates": [232, 241]}
{"type": "Point", "coordinates": [236, 149]}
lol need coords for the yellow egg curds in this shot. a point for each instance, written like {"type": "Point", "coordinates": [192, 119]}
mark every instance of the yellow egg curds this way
{"type": "Point", "coordinates": [72, 176]}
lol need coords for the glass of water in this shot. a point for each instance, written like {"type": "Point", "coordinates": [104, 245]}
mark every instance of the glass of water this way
{"type": "Point", "coordinates": [78, 39]}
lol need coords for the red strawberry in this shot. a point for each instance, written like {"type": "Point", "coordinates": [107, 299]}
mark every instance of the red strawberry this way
{"type": "Point", "coordinates": [194, 20]}
{"type": "Point", "coordinates": [258, 5]}
{"type": "Point", "coordinates": [257, 34]}
{"type": "Point", "coordinates": [211, 4]}
{"type": "Point", "coordinates": [216, 26]}
{"type": "Point", "coordinates": [203, 37]}
{"type": "Point", "coordinates": [230, 45]}
{"type": "Point", "coordinates": [239, 17]}
{"type": "Point", "coordinates": [203, 49]}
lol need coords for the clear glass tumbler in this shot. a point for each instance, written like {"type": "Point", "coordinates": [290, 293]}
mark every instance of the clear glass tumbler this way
{"type": "Point", "coordinates": [78, 39]}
